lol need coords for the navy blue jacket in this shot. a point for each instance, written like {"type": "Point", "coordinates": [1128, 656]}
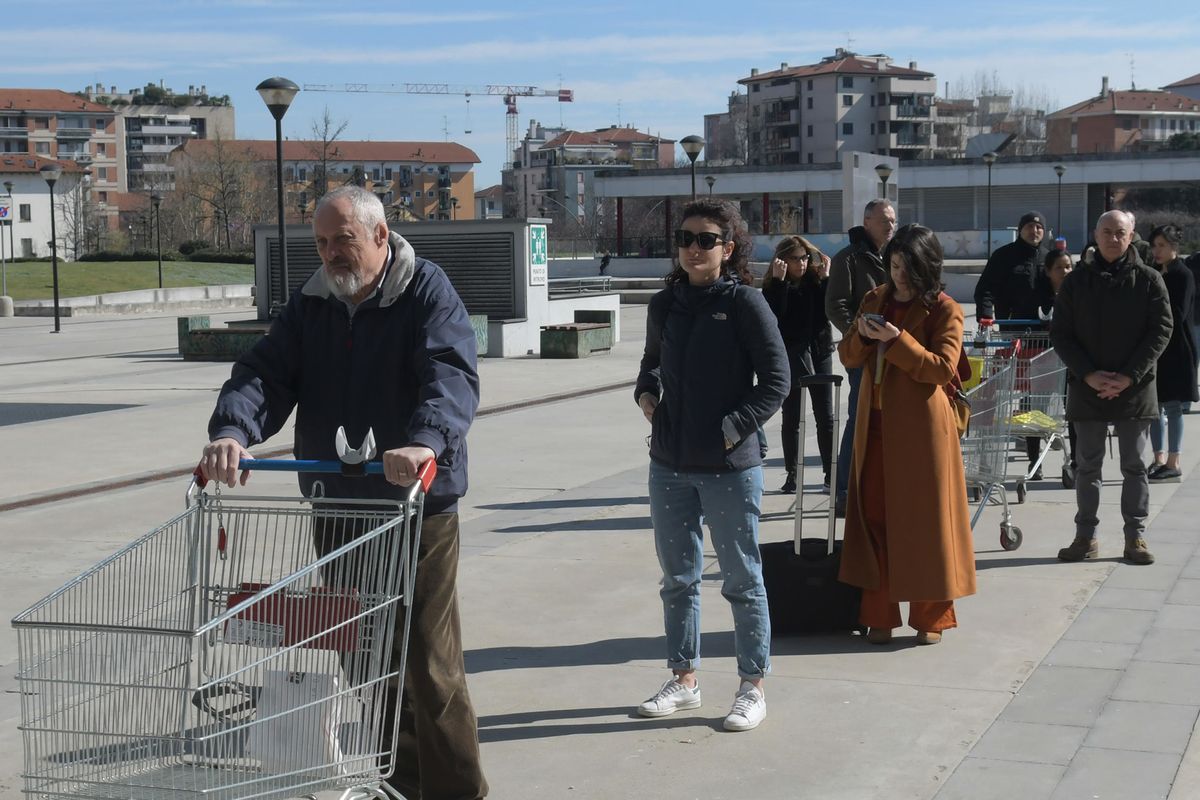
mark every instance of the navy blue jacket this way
{"type": "Point", "coordinates": [704, 347]}
{"type": "Point", "coordinates": [404, 365]}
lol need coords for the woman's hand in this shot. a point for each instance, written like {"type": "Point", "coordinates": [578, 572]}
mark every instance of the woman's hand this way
{"type": "Point", "coordinates": [822, 266]}
{"type": "Point", "coordinates": [778, 268]}
{"type": "Point", "coordinates": [880, 332]}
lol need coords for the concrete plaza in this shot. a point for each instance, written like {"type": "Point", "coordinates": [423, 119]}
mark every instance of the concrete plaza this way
{"type": "Point", "coordinates": [1063, 681]}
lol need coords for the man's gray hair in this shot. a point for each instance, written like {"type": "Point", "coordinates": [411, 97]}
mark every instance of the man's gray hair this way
{"type": "Point", "coordinates": [365, 207]}
{"type": "Point", "coordinates": [1123, 216]}
{"type": "Point", "coordinates": [878, 202]}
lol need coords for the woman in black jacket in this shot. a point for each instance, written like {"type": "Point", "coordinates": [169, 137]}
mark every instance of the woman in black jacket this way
{"type": "Point", "coordinates": [795, 290]}
{"type": "Point", "coordinates": [714, 370]}
{"type": "Point", "coordinates": [1176, 376]}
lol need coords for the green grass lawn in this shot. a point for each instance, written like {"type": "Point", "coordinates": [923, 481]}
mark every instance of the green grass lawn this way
{"type": "Point", "coordinates": [33, 280]}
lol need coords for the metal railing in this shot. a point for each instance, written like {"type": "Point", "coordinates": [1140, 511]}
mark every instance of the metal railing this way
{"type": "Point", "coordinates": [565, 286]}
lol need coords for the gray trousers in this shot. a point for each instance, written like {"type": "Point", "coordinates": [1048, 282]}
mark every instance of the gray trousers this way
{"type": "Point", "coordinates": [1132, 442]}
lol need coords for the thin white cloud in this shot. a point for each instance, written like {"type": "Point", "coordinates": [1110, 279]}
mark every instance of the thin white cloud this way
{"type": "Point", "coordinates": [407, 18]}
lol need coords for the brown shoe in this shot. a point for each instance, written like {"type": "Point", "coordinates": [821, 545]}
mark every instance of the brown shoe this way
{"type": "Point", "coordinates": [1136, 552]}
{"type": "Point", "coordinates": [879, 635]}
{"type": "Point", "coordinates": [1079, 549]}
{"type": "Point", "coordinates": [928, 637]}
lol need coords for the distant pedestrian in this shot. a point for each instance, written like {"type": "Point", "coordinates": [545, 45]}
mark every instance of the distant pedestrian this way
{"type": "Point", "coordinates": [1057, 266]}
{"type": "Point", "coordinates": [1176, 381]}
{"type": "Point", "coordinates": [795, 290]}
{"type": "Point", "coordinates": [1112, 320]}
{"type": "Point", "coordinates": [605, 258]}
{"type": "Point", "coordinates": [714, 370]}
{"type": "Point", "coordinates": [856, 269]}
{"type": "Point", "coordinates": [908, 528]}
{"type": "Point", "coordinates": [1007, 289]}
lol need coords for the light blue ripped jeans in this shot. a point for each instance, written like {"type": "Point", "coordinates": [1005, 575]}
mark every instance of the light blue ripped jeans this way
{"type": "Point", "coordinates": [729, 503]}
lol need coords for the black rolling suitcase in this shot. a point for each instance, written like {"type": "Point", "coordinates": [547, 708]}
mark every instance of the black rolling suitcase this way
{"type": "Point", "coordinates": [803, 592]}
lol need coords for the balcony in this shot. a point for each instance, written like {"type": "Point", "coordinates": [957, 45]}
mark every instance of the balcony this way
{"type": "Point", "coordinates": [12, 131]}
{"type": "Point", "coordinates": [165, 130]}
{"type": "Point", "coordinates": [912, 140]}
{"type": "Point", "coordinates": [73, 133]}
{"type": "Point", "coordinates": [777, 145]}
{"type": "Point", "coordinates": [779, 117]}
{"type": "Point", "coordinates": [911, 110]}
{"type": "Point", "coordinates": [157, 148]}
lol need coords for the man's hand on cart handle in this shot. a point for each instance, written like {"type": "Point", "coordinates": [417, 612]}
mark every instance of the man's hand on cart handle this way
{"type": "Point", "coordinates": [219, 461]}
{"type": "Point", "coordinates": [400, 466]}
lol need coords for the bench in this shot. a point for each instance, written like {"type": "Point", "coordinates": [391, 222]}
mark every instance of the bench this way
{"type": "Point", "coordinates": [199, 342]}
{"type": "Point", "coordinates": [576, 339]}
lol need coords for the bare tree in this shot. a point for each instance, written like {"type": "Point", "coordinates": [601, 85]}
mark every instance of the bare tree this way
{"type": "Point", "coordinates": [229, 183]}
{"type": "Point", "coordinates": [325, 133]}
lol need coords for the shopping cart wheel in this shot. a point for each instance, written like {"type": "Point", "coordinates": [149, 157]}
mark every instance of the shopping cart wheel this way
{"type": "Point", "coordinates": [1020, 494]}
{"type": "Point", "coordinates": [1010, 537]}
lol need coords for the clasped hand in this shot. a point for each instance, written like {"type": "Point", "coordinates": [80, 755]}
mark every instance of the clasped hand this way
{"type": "Point", "coordinates": [1108, 385]}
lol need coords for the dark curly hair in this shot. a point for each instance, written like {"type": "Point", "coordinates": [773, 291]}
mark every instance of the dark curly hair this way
{"type": "Point", "coordinates": [733, 229]}
{"type": "Point", "coordinates": [921, 253]}
{"type": "Point", "coordinates": [790, 244]}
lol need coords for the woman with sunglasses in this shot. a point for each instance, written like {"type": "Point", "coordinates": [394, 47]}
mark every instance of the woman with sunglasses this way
{"type": "Point", "coordinates": [794, 288]}
{"type": "Point", "coordinates": [908, 529]}
{"type": "Point", "coordinates": [708, 338]}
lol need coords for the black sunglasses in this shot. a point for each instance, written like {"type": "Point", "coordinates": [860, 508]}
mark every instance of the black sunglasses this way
{"type": "Point", "coordinates": [706, 239]}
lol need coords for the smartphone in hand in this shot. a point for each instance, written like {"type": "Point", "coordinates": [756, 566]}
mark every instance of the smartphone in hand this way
{"type": "Point", "coordinates": [876, 319]}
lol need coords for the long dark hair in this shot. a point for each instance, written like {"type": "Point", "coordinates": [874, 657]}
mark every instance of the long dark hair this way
{"type": "Point", "coordinates": [788, 245]}
{"type": "Point", "coordinates": [921, 253]}
{"type": "Point", "coordinates": [733, 229]}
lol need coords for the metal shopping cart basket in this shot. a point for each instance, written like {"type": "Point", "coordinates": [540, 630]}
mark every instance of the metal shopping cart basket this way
{"type": "Point", "coordinates": [248, 648]}
{"type": "Point", "coordinates": [985, 448]}
{"type": "Point", "coordinates": [1041, 412]}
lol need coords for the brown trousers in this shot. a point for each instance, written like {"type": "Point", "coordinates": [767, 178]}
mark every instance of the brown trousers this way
{"type": "Point", "coordinates": [437, 744]}
{"type": "Point", "coordinates": [878, 609]}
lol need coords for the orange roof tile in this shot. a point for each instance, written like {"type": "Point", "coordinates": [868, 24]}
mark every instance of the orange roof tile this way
{"type": "Point", "coordinates": [491, 191]}
{"type": "Point", "coordinates": [27, 163]}
{"type": "Point", "coordinates": [47, 100]}
{"type": "Point", "coordinates": [572, 138]}
{"type": "Point", "coordinates": [1131, 101]}
{"type": "Point", "coordinates": [1192, 81]}
{"type": "Point", "coordinates": [300, 150]}
{"type": "Point", "coordinates": [615, 134]}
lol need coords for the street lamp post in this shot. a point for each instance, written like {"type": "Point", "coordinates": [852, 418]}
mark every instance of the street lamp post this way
{"type": "Point", "coordinates": [453, 208]}
{"type": "Point", "coordinates": [989, 158]}
{"type": "Point", "coordinates": [884, 172]}
{"type": "Point", "coordinates": [51, 173]}
{"type": "Point", "coordinates": [692, 145]}
{"type": "Point", "coordinates": [1059, 169]}
{"type": "Point", "coordinates": [156, 199]}
{"type": "Point", "coordinates": [710, 180]}
{"type": "Point", "coordinates": [12, 209]}
{"type": "Point", "coordinates": [278, 94]}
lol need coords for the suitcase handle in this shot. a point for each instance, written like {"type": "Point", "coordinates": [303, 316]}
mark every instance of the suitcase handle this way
{"type": "Point", "coordinates": [818, 380]}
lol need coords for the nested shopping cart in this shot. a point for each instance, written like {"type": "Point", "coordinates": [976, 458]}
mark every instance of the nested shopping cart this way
{"type": "Point", "coordinates": [1041, 412]}
{"type": "Point", "coordinates": [986, 445]}
{"type": "Point", "coordinates": [248, 648]}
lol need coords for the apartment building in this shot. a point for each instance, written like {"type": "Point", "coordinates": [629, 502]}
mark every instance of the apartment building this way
{"type": "Point", "coordinates": [26, 227]}
{"type": "Point", "coordinates": [153, 121]}
{"type": "Point", "coordinates": [725, 133]}
{"type": "Point", "coordinates": [553, 171]}
{"type": "Point", "coordinates": [813, 113]}
{"type": "Point", "coordinates": [1121, 121]}
{"type": "Point", "coordinates": [415, 180]}
{"type": "Point", "coordinates": [53, 124]}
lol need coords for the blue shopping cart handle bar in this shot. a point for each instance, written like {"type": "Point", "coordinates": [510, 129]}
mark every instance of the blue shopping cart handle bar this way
{"type": "Point", "coordinates": [296, 465]}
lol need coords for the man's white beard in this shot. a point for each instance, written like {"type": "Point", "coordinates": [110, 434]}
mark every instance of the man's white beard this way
{"type": "Point", "coordinates": [346, 283]}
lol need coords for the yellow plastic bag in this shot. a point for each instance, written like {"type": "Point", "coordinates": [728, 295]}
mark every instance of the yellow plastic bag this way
{"type": "Point", "coordinates": [976, 363]}
{"type": "Point", "coordinates": [1035, 420]}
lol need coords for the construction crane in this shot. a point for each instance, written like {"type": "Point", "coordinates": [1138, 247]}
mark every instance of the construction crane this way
{"type": "Point", "coordinates": [510, 93]}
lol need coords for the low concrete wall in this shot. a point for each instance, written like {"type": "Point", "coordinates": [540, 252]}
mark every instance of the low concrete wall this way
{"type": "Point", "coordinates": [512, 338]}
{"type": "Point", "coordinates": [183, 297]}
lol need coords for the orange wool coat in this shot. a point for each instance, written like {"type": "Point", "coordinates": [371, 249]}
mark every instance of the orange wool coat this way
{"type": "Point", "coordinates": [931, 554]}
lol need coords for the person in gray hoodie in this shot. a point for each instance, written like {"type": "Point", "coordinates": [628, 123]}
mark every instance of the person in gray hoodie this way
{"type": "Point", "coordinates": [1112, 320]}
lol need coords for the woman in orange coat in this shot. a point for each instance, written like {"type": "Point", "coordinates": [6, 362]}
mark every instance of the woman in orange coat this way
{"type": "Point", "coordinates": [908, 529]}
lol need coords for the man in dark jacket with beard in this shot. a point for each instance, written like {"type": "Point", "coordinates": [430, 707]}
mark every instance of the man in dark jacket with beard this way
{"type": "Point", "coordinates": [855, 270]}
{"type": "Point", "coordinates": [377, 339]}
{"type": "Point", "coordinates": [1007, 289]}
{"type": "Point", "coordinates": [1112, 320]}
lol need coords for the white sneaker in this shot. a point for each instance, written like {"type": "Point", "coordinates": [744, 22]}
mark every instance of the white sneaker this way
{"type": "Point", "coordinates": [749, 709]}
{"type": "Point", "coordinates": [672, 697]}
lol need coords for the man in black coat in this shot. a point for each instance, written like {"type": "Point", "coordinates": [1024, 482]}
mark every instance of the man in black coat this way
{"type": "Point", "coordinates": [1112, 320]}
{"type": "Point", "coordinates": [1007, 289]}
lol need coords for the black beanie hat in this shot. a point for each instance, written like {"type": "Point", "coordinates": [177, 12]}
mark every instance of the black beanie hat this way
{"type": "Point", "coordinates": [1031, 216]}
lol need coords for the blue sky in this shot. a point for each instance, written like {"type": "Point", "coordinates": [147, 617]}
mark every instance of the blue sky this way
{"type": "Point", "coordinates": [658, 66]}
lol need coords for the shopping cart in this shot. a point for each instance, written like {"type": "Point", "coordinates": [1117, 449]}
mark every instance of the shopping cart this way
{"type": "Point", "coordinates": [1041, 413]}
{"type": "Point", "coordinates": [986, 444]}
{"type": "Point", "coordinates": [246, 649]}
